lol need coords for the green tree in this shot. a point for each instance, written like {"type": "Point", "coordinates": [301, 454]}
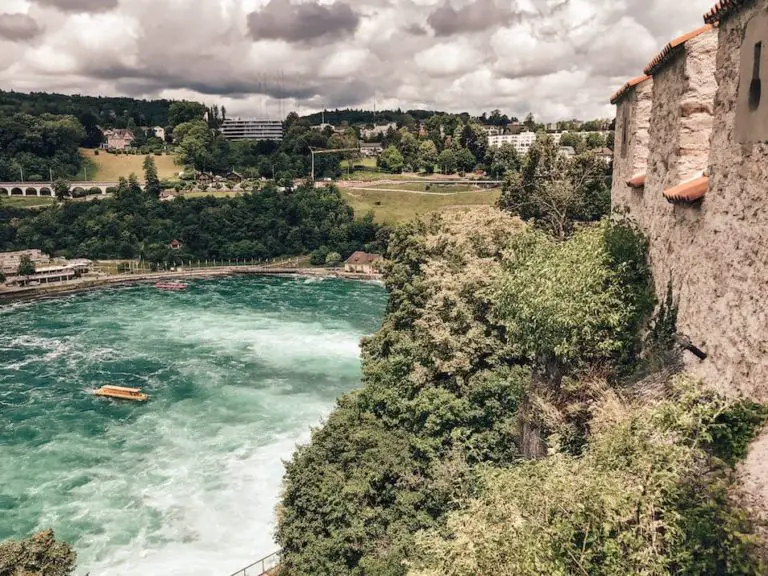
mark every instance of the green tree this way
{"type": "Point", "coordinates": [409, 148]}
{"type": "Point", "coordinates": [447, 161]}
{"type": "Point", "coordinates": [391, 160]}
{"type": "Point", "coordinates": [26, 266]}
{"type": "Point", "coordinates": [574, 140]}
{"type": "Point", "coordinates": [151, 181]}
{"type": "Point", "coordinates": [428, 156]}
{"type": "Point", "coordinates": [333, 259]}
{"type": "Point", "coordinates": [556, 191]}
{"type": "Point", "coordinates": [473, 137]}
{"type": "Point", "coordinates": [61, 189]}
{"type": "Point", "coordinates": [505, 159]}
{"type": "Point", "coordinates": [465, 160]}
{"type": "Point", "coordinates": [40, 555]}
{"type": "Point", "coordinates": [595, 140]}
{"type": "Point", "coordinates": [184, 111]}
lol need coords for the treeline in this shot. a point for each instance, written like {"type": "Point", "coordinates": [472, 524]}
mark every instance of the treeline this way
{"type": "Point", "coordinates": [36, 148]}
{"type": "Point", "coordinates": [500, 428]}
{"type": "Point", "coordinates": [134, 224]}
{"type": "Point", "coordinates": [110, 112]}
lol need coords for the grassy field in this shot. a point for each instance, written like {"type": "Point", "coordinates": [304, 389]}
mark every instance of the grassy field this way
{"type": "Point", "coordinates": [25, 201]}
{"type": "Point", "coordinates": [217, 193]}
{"type": "Point", "coordinates": [392, 207]}
{"type": "Point", "coordinates": [434, 187]}
{"type": "Point", "coordinates": [110, 167]}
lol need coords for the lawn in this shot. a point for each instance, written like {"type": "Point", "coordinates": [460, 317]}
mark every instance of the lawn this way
{"type": "Point", "coordinates": [434, 187]}
{"type": "Point", "coordinates": [25, 201]}
{"type": "Point", "coordinates": [110, 167]}
{"type": "Point", "coordinates": [217, 193]}
{"type": "Point", "coordinates": [392, 207]}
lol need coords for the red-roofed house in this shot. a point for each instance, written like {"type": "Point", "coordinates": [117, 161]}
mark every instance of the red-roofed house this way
{"type": "Point", "coordinates": [362, 263]}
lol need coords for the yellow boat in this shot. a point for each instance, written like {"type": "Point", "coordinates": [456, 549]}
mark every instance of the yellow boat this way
{"type": "Point", "coordinates": [122, 393]}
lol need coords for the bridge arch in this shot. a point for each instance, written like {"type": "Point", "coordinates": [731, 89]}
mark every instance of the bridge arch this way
{"type": "Point", "coordinates": [4, 192]}
{"type": "Point", "coordinates": [16, 191]}
{"type": "Point", "coordinates": [30, 191]}
{"type": "Point", "coordinates": [46, 191]}
{"type": "Point", "coordinates": [77, 192]}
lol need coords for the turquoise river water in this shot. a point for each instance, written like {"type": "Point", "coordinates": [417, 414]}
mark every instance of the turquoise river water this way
{"type": "Point", "coordinates": [238, 370]}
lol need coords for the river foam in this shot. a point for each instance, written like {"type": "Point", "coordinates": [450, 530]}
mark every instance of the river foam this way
{"type": "Point", "coordinates": [238, 371]}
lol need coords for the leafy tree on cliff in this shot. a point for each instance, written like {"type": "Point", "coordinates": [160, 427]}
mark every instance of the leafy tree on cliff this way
{"type": "Point", "coordinates": [40, 555]}
{"type": "Point", "coordinates": [556, 191]}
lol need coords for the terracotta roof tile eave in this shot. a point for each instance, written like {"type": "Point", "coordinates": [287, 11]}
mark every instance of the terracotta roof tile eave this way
{"type": "Point", "coordinates": [666, 54]}
{"type": "Point", "coordinates": [723, 9]}
{"type": "Point", "coordinates": [624, 90]}
{"type": "Point", "coordinates": [688, 192]}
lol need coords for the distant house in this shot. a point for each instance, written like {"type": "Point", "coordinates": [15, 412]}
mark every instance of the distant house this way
{"type": "Point", "coordinates": [370, 148]}
{"type": "Point", "coordinates": [567, 151]}
{"type": "Point", "coordinates": [175, 245]}
{"type": "Point", "coordinates": [362, 263]}
{"type": "Point", "coordinates": [118, 139]}
{"type": "Point", "coordinates": [159, 132]}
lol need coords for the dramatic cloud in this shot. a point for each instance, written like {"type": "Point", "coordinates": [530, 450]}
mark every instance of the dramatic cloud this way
{"type": "Point", "coordinates": [18, 27]}
{"type": "Point", "coordinates": [475, 17]}
{"type": "Point", "coordinates": [556, 58]}
{"type": "Point", "coordinates": [80, 5]}
{"type": "Point", "coordinates": [282, 19]}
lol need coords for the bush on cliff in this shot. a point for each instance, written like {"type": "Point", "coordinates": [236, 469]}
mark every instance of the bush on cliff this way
{"type": "Point", "coordinates": [447, 380]}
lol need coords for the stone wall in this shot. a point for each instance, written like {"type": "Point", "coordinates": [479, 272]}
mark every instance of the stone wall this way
{"type": "Point", "coordinates": [634, 110]}
{"type": "Point", "coordinates": [733, 247]}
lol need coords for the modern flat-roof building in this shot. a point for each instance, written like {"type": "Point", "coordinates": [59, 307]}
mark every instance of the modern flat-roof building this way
{"type": "Point", "coordinates": [250, 129]}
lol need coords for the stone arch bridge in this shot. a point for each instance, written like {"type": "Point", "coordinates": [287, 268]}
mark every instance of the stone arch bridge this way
{"type": "Point", "coordinates": [46, 188]}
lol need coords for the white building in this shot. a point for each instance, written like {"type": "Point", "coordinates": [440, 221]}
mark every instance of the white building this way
{"type": "Point", "coordinates": [251, 129]}
{"type": "Point", "coordinates": [159, 132]}
{"type": "Point", "coordinates": [380, 130]}
{"type": "Point", "coordinates": [522, 142]}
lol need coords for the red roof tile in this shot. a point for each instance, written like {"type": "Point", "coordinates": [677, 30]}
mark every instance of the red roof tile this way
{"type": "Point", "coordinates": [363, 258]}
{"type": "Point", "coordinates": [688, 192]}
{"type": "Point", "coordinates": [670, 49]}
{"type": "Point", "coordinates": [637, 181]}
{"type": "Point", "coordinates": [722, 9]}
{"type": "Point", "coordinates": [621, 92]}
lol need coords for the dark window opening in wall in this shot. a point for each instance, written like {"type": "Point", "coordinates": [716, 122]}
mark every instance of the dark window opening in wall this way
{"type": "Point", "coordinates": [755, 87]}
{"type": "Point", "coordinates": [624, 131]}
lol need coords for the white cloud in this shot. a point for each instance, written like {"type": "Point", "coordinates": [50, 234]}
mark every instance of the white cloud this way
{"type": "Point", "coordinates": [448, 58]}
{"type": "Point", "coordinates": [557, 58]}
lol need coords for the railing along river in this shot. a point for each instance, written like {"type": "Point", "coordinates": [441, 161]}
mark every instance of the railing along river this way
{"type": "Point", "coordinates": [264, 567]}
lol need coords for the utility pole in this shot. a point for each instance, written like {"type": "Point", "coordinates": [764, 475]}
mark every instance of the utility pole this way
{"type": "Point", "coordinates": [22, 173]}
{"type": "Point", "coordinates": [50, 172]}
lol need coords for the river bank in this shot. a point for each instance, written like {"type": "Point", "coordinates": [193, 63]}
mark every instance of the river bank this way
{"type": "Point", "coordinates": [94, 282]}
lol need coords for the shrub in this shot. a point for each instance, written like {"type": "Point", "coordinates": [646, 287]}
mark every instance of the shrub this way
{"type": "Point", "coordinates": [644, 499]}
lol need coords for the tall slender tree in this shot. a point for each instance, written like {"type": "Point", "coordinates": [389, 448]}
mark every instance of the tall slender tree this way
{"type": "Point", "coordinates": [151, 179]}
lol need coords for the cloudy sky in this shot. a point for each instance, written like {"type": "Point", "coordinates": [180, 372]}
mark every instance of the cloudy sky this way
{"type": "Point", "coordinates": [557, 58]}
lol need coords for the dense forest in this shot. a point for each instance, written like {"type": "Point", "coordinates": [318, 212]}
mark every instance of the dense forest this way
{"type": "Point", "coordinates": [110, 112]}
{"type": "Point", "coordinates": [134, 224]}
